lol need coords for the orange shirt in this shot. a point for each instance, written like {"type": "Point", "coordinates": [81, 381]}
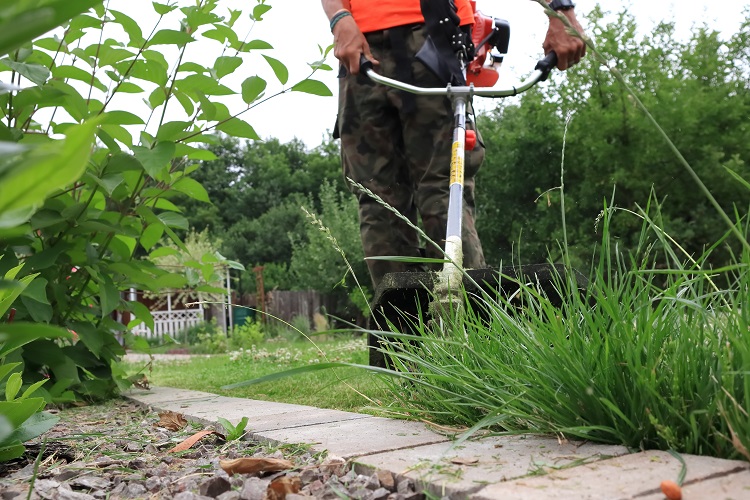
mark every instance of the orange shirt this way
{"type": "Point", "coordinates": [374, 15]}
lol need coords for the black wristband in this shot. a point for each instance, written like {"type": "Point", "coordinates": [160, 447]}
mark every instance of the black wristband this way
{"type": "Point", "coordinates": [561, 5]}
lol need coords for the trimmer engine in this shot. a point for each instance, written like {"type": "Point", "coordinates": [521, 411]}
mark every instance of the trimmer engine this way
{"type": "Point", "coordinates": [490, 37]}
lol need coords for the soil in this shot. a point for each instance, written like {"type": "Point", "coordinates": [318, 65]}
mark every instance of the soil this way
{"type": "Point", "coordinates": [122, 450]}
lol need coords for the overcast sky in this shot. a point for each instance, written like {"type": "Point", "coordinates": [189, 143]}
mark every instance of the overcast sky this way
{"type": "Point", "coordinates": [296, 28]}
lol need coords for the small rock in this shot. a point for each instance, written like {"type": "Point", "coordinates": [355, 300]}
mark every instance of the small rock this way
{"type": "Point", "coordinates": [308, 475]}
{"type": "Point", "coordinates": [46, 488]}
{"type": "Point", "coordinates": [133, 446]}
{"type": "Point", "coordinates": [296, 496]}
{"type": "Point", "coordinates": [153, 483]}
{"type": "Point", "coordinates": [358, 493]}
{"type": "Point", "coordinates": [349, 477]}
{"type": "Point", "coordinates": [214, 486]}
{"type": "Point", "coordinates": [314, 488]}
{"type": "Point", "coordinates": [373, 483]}
{"type": "Point", "coordinates": [63, 494]}
{"type": "Point", "coordinates": [396, 496]}
{"type": "Point", "coordinates": [151, 449]}
{"type": "Point", "coordinates": [90, 482]}
{"type": "Point", "coordinates": [386, 479]}
{"type": "Point", "coordinates": [334, 465]}
{"type": "Point", "coordinates": [134, 490]}
{"type": "Point", "coordinates": [118, 490]}
{"type": "Point", "coordinates": [414, 496]}
{"type": "Point", "coordinates": [189, 495]}
{"type": "Point", "coordinates": [167, 459]}
{"type": "Point", "coordinates": [378, 494]}
{"type": "Point", "coordinates": [229, 495]}
{"type": "Point", "coordinates": [254, 488]}
{"type": "Point", "coordinates": [405, 487]}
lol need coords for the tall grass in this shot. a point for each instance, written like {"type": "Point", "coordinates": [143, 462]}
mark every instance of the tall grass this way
{"type": "Point", "coordinates": [647, 357]}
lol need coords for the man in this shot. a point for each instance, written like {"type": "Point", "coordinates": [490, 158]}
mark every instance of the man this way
{"type": "Point", "coordinates": [398, 145]}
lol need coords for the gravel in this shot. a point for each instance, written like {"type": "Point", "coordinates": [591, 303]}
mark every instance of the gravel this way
{"type": "Point", "coordinates": [116, 450]}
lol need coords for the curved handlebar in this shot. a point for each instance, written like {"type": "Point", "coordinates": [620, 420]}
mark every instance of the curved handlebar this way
{"type": "Point", "coordinates": [540, 74]}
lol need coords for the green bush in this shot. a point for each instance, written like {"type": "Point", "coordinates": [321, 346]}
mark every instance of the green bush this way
{"type": "Point", "coordinates": [80, 213]}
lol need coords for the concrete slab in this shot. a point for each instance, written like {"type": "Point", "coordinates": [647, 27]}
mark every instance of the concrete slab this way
{"type": "Point", "coordinates": [457, 471]}
{"type": "Point", "coordinates": [353, 438]}
{"type": "Point", "coordinates": [263, 415]}
{"type": "Point", "coordinates": [734, 486]}
{"type": "Point", "coordinates": [625, 477]}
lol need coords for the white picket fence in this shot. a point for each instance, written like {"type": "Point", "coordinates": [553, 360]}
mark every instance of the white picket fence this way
{"type": "Point", "coordinates": [170, 323]}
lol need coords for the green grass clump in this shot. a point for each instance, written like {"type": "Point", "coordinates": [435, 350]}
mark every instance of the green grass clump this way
{"type": "Point", "coordinates": [648, 358]}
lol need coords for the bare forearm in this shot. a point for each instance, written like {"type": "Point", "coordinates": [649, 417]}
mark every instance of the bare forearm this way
{"type": "Point", "coordinates": [332, 6]}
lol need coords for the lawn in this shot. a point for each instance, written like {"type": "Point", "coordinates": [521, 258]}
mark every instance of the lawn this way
{"type": "Point", "coordinates": [348, 389]}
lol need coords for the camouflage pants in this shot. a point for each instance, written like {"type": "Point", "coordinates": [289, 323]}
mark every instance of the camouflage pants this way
{"type": "Point", "coordinates": [403, 156]}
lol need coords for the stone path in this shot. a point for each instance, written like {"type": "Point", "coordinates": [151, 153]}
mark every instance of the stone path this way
{"type": "Point", "coordinates": [512, 467]}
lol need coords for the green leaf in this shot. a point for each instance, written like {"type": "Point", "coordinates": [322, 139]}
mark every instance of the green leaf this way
{"type": "Point", "coordinates": [151, 236]}
{"type": "Point", "coordinates": [46, 169]}
{"type": "Point", "coordinates": [110, 182]}
{"type": "Point", "coordinates": [256, 45]}
{"type": "Point", "coordinates": [157, 159]}
{"type": "Point", "coordinates": [163, 9]}
{"type": "Point", "coordinates": [172, 131]}
{"type": "Point", "coordinates": [131, 28]}
{"type": "Point", "coordinates": [314, 87]}
{"type": "Point", "coordinates": [259, 10]}
{"type": "Point", "coordinates": [31, 22]}
{"type": "Point", "coordinates": [30, 390]}
{"type": "Point", "coordinates": [278, 68]}
{"type": "Point", "coordinates": [6, 368]}
{"type": "Point", "coordinates": [204, 84]}
{"type": "Point", "coordinates": [172, 219]}
{"type": "Point", "coordinates": [109, 296]}
{"type": "Point", "coordinates": [252, 87]}
{"type": "Point", "coordinates": [226, 65]}
{"type": "Point", "coordinates": [192, 188]}
{"type": "Point", "coordinates": [74, 73]}
{"type": "Point", "coordinates": [35, 73]}
{"type": "Point", "coordinates": [186, 102]}
{"type": "Point", "coordinates": [122, 118]}
{"type": "Point", "coordinates": [12, 386]}
{"type": "Point", "coordinates": [17, 412]}
{"type": "Point", "coordinates": [35, 426]}
{"type": "Point", "coordinates": [129, 88]}
{"type": "Point", "coordinates": [37, 290]}
{"type": "Point", "coordinates": [163, 252]}
{"type": "Point", "coordinates": [193, 153]}
{"type": "Point", "coordinates": [238, 128]}
{"type": "Point", "coordinates": [170, 37]}
{"type": "Point", "coordinates": [10, 450]}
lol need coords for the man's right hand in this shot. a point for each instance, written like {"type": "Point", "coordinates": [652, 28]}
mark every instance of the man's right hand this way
{"type": "Point", "coordinates": [349, 44]}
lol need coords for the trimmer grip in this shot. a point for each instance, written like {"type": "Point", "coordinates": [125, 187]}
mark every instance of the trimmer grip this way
{"type": "Point", "coordinates": [365, 64]}
{"type": "Point", "coordinates": [546, 65]}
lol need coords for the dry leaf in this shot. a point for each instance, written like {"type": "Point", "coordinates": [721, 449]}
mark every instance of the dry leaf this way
{"type": "Point", "coordinates": [140, 381]}
{"type": "Point", "coordinates": [171, 420]}
{"type": "Point", "coordinates": [464, 461]}
{"type": "Point", "coordinates": [189, 442]}
{"type": "Point", "coordinates": [253, 465]}
{"type": "Point", "coordinates": [283, 486]}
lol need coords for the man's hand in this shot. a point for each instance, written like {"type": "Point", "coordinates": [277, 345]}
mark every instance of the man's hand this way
{"type": "Point", "coordinates": [569, 49]}
{"type": "Point", "coordinates": [349, 44]}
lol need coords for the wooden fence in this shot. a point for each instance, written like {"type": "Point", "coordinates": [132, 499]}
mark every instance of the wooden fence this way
{"type": "Point", "coordinates": [287, 305]}
{"type": "Point", "coordinates": [170, 323]}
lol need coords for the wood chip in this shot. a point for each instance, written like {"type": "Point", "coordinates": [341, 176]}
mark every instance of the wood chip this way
{"type": "Point", "coordinates": [283, 486]}
{"type": "Point", "coordinates": [171, 420]}
{"type": "Point", "coordinates": [189, 442]}
{"type": "Point", "coordinates": [254, 465]}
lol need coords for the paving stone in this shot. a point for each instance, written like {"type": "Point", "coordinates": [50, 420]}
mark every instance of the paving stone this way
{"type": "Point", "coordinates": [734, 486]}
{"type": "Point", "coordinates": [353, 438]}
{"type": "Point", "coordinates": [474, 464]}
{"type": "Point", "coordinates": [624, 477]}
{"type": "Point", "coordinates": [263, 415]}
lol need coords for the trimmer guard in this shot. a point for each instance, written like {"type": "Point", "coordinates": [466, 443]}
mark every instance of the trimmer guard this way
{"type": "Point", "coordinates": [402, 298]}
